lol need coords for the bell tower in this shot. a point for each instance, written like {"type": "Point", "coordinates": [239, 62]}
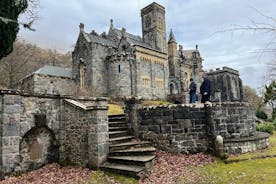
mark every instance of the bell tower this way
{"type": "Point", "coordinates": [154, 26]}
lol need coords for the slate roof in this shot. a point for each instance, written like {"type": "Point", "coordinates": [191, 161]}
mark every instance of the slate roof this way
{"type": "Point", "coordinates": [55, 71]}
{"type": "Point", "coordinates": [100, 39]}
{"type": "Point", "coordinates": [132, 39]}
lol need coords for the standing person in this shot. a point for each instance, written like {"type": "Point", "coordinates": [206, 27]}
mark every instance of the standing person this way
{"type": "Point", "coordinates": [205, 89]}
{"type": "Point", "coordinates": [192, 91]}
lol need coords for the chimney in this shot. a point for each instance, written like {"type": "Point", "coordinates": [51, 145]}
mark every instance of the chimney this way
{"type": "Point", "coordinates": [123, 31]}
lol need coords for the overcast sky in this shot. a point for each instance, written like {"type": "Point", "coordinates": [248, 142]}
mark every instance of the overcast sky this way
{"type": "Point", "coordinates": [193, 22]}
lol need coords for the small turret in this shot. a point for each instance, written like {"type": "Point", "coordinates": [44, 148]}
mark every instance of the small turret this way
{"type": "Point", "coordinates": [172, 45]}
{"type": "Point", "coordinates": [172, 55]}
{"type": "Point", "coordinates": [171, 37]}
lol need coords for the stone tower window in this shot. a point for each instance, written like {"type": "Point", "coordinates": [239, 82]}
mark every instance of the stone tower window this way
{"type": "Point", "coordinates": [82, 75]}
{"type": "Point", "coordinates": [119, 68]}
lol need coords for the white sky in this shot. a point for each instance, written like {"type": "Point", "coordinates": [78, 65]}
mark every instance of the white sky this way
{"type": "Point", "coordinates": [193, 22]}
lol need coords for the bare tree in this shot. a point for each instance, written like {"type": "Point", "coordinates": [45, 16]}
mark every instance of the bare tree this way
{"type": "Point", "coordinates": [12, 66]}
{"type": "Point", "coordinates": [269, 28]}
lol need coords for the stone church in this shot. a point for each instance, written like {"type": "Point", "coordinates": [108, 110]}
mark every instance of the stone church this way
{"type": "Point", "coordinates": [119, 64]}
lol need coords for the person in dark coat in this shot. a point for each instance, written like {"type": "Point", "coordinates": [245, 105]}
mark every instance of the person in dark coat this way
{"type": "Point", "coordinates": [205, 89]}
{"type": "Point", "coordinates": [192, 91]}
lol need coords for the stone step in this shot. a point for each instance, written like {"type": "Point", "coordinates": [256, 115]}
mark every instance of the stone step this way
{"type": "Point", "coordinates": [129, 144]}
{"type": "Point", "coordinates": [117, 124]}
{"type": "Point", "coordinates": [116, 115]}
{"type": "Point", "coordinates": [113, 134]}
{"type": "Point", "coordinates": [135, 158]}
{"type": "Point", "coordinates": [117, 140]}
{"type": "Point", "coordinates": [118, 118]}
{"type": "Point", "coordinates": [133, 151]}
{"type": "Point", "coordinates": [118, 128]}
{"type": "Point", "coordinates": [118, 132]}
{"type": "Point", "coordinates": [131, 170]}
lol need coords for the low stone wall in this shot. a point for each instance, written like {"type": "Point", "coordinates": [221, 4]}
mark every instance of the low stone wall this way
{"type": "Point", "coordinates": [247, 144]}
{"type": "Point", "coordinates": [177, 129]}
{"type": "Point", "coordinates": [190, 129]}
{"type": "Point", "coordinates": [35, 130]}
{"type": "Point", "coordinates": [233, 119]}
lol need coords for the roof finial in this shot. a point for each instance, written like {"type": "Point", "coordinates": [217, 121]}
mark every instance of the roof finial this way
{"type": "Point", "coordinates": [196, 47]}
{"type": "Point", "coordinates": [111, 23]}
{"type": "Point", "coordinates": [81, 27]}
{"type": "Point", "coordinates": [171, 37]}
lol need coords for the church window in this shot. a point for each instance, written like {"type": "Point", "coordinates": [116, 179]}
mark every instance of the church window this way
{"type": "Point", "coordinates": [82, 76]}
{"type": "Point", "coordinates": [119, 68]}
{"type": "Point", "coordinates": [146, 81]}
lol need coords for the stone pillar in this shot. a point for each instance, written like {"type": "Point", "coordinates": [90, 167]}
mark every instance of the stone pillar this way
{"type": "Point", "coordinates": [98, 137]}
{"type": "Point", "coordinates": [210, 129]}
{"type": "Point", "coordinates": [10, 132]}
{"type": "Point", "coordinates": [131, 109]}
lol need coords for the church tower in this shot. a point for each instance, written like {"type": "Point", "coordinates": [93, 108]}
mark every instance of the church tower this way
{"type": "Point", "coordinates": [154, 26]}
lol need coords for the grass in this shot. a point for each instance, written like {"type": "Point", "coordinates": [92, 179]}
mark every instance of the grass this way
{"type": "Point", "coordinates": [101, 177]}
{"type": "Point", "coordinates": [251, 171]}
{"type": "Point", "coordinates": [114, 109]}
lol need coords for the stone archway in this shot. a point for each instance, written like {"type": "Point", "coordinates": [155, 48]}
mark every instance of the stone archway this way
{"type": "Point", "coordinates": [38, 147]}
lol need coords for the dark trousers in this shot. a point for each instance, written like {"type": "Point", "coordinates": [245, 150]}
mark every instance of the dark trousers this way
{"type": "Point", "coordinates": [205, 98]}
{"type": "Point", "coordinates": [192, 98]}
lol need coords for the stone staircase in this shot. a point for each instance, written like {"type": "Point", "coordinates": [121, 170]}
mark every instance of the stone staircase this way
{"type": "Point", "coordinates": [127, 155]}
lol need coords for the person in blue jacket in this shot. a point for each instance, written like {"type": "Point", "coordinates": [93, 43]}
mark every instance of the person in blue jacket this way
{"type": "Point", "coordinates": [192, 91]}
{"type": "Point", "coordinates": [205, 89]}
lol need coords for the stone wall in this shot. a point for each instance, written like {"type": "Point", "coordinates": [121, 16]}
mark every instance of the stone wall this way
{"type": "Point", "coordinates": [39, 129]}
{"type": "Point", "coordinates": [177, 129]}
{"type": "Point", "coordinates": [19, 118]}
{"type": "Point", "coordinates": [121, 73]}
{"type": "Point", "coordinates": [190, 129]}
{"type": "Point", "coordinates": [84, 132]}
{"type": "Point", "coordinates": [234, 119]}
{"type": "Point", "coordinates": [46, 84]}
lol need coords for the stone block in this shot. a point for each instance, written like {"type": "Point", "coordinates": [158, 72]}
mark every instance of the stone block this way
{"type": "Point", "coordinates": [154, 128]}
{"type": "Point", "coordinates": [11, 129]}
{"type": "Point", "coordinates": [11, 109]}
{"type": "Point", "coordinates": [166, 129]}
{"type": "Point", "coordinates": [181, 114]}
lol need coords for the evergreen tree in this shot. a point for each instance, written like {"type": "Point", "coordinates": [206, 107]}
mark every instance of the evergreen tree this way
{"type": "Point", "coordinates": [9, 26]}
{"type": "Point", "coordinates": [270, 95]}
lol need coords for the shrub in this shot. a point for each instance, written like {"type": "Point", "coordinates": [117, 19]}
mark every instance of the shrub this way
{"type": "Point", "coordinates": [261, 114]}
{"type": "Point", "coordinates": [274, 123]}
{"type": "Point", "coordinates": [265, 127]}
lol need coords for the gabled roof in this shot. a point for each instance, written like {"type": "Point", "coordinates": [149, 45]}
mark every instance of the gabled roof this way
{"type": "Point", "coordinates": [55, 71]}
{"type": "Point", "coordinates": [132, 39]}
{"type": "Point", "coordinates": [188, 53]}
{"type": "Point", "coordinates": [99, 39]}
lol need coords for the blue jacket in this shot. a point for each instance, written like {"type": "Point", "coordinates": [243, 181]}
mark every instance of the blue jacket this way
{"type": "Point", "coordinates": [205, 86]}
